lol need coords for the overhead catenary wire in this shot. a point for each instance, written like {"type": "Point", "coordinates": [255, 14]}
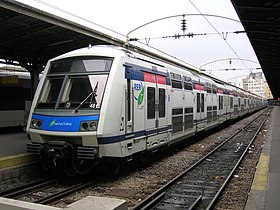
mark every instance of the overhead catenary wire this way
{"type": "Point", "coordinates": [190, 34]}
{"type": "Point", "coordinates": [176, 35]}
{"type": "Point", "coordinates": [220, 35]}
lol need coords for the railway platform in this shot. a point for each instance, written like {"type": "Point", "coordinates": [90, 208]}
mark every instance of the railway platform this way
{"type": "Point", "coordinates": [13, 149]}
{"type": "Point", "coordinates": [265, 189]}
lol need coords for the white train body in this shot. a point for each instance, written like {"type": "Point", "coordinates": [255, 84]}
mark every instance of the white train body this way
{"type": "Point", "coordinates": [106, 101]}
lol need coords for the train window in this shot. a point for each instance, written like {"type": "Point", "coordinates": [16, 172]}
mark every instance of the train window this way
{"type": "Point", "coordinates": [188, 86]}
{"type": "Point", "coordinates": [176, 84]}
{"type": "Point", "coordinates": [189, 110]}
{"type": "Point", "coordinates": [161, 102]}
{"type": "Point", "coordinates": [214, 90]}
{"type": "Point", "coordinates": [84, 91]}
{"type": "Point", "coordinates": [231, 102]}
{"type": "Point", "coordinates": [151, 102]}
{"type": "Point", "coordinates": [128, 100]}
{"type": "Point", "coordinates": [176, 76]}
{"type": "Point", "coordinates": [187, 79]}
{"type": "Point", "coordinates": [202, 102]}
{"type": "Point", "coordinates": [209, 114]}
{"type": "Point", "coordinates": [177, 120]}
{"type": "Point", "coordinates": [221, 102]}
{"type": "Point", "coordinates": [188, 118]}
{"type": "Point", "coordinates": [51, 91]}
{"type": "Point", "coordinates": [208, 90]}
{"type": "Point", "coordinates": [178, 111]}
{"type": "Point", "coordinates": [239, 102]}
{"type": "Point", "coordinates": [81, 64]}
{"type": "Point", "coordinates": [208, 87]}
{"type": "Point", "coordinates": [198, 102]}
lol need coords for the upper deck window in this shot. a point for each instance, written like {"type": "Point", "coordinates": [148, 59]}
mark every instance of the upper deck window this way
{"type": "Point", "coordinates": [81, 64]}
{"type": "Point", "coordinates": [176, 81]}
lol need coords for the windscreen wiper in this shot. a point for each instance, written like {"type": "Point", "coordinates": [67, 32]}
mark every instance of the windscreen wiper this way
{"type": "Point", "coordinates": [92, 95]}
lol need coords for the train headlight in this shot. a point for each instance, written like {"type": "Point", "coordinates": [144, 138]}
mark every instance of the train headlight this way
{"type": "Point", "coordinates": [93, 125]}
{"type": "Point", "coordinates": [36, 124]}
{"type": "Point", "coordinates": [88, 126]}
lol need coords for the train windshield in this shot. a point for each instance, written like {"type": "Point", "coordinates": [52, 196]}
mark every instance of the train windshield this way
{"type": "Point", "coordinates": [85, 91]}
{"type": "Point", "coordinates": [81, 64]}
{"type": "Point", "coordinates": [73, 84]}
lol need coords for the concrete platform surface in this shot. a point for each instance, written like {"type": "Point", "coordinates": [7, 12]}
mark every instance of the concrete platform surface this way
{"type": "Point", "coordinates": [13, 145]}
{"type": "Point", "coordinates": [90, 202]}
{"type": "Point", "coordinates": [265, 191]}
{"type": "Point", "coordinates": [12, 142]}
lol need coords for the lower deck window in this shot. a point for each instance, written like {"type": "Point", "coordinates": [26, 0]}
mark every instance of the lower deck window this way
{"type": "Point", "coordinates": [177, 120]}
{"type": "Point", "coordinates": [188, 118]}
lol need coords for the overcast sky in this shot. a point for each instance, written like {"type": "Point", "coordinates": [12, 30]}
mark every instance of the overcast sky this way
{"type": "Point", "coordinates": [122, 16]}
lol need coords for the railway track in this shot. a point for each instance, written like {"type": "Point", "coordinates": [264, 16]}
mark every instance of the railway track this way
{"type": "Point", "coordinates": [45, 191]}
{"type": "Point", "coordinates": [200, 185]}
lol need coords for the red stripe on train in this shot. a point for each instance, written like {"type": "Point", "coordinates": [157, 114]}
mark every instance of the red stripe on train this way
{"type": "Point", "coordinates": [148, 77]}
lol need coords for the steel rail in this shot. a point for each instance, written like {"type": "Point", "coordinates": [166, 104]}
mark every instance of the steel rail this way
{"type": "Point", "coordinates": [63, 193]}
{"type": "Point", "coordinates": [237, 165]}
{"type": "Point", "coordinates": [28, 188]}
{"type": "Point", "coordinates": [148, 202]}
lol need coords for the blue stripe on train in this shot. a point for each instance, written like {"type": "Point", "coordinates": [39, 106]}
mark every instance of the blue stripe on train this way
{"type": "Point", "coordinates": [143, 133]}
{"type": "Point", "coordinates": [63, 123]}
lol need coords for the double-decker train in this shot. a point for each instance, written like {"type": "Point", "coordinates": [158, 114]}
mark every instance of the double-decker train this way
{"type": "Point", "coordinates": [106, 104]}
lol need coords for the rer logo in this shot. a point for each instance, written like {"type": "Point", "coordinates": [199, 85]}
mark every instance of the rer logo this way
{"type": "Point", "coordinates": [139, 87]}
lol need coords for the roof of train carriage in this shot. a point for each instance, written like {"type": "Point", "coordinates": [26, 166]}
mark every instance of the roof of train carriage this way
{"type": "Point", "coordinates": [261, 20]}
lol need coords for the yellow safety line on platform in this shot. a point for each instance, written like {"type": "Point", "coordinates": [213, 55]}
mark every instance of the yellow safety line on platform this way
{"type": "Point", "coordinates": [15, 160]}
{"type": "Point", "coordinates": [261, 180]}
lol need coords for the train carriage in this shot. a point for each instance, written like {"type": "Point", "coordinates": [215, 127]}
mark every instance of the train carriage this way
{"type": "Point", "coordinates": [104, 103]}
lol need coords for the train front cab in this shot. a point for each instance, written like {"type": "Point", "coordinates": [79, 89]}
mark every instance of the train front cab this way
{"type": "Point", "coordinates": [65, 116]}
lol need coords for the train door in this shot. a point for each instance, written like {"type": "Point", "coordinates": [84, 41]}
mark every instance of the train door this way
{"type": "Point", "coordinates": [226, 103]}
{"type": "Point", "coordinates": [156, 115]}
{"type": "Point", "coordinates": [129, 107]}
{"type": "Point", "coordinates": [156, 102]}
{"type": "Point", "coordinates": [200, 107]}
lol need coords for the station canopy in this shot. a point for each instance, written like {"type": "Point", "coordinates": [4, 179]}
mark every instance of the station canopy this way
{"type": "Point", "coordinates": [32, 36]}
{"type": "Point", "coordinates": [261, 20]}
